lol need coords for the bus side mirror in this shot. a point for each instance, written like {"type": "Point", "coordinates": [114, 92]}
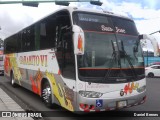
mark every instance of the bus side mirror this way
{"type": "Point", "coordinates": [153, 41]}
{"type": "Point", "coordinates": [140, 37]}
{"type": "Point", "coordinates": [78, 40]}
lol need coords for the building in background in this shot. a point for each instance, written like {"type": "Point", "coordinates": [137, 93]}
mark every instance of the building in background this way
{"type": "Point", "coordinates": [149, 58]}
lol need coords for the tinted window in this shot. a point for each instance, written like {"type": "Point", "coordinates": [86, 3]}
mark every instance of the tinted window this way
{"type": "Point", "coordinates": [156, 67]}
{"type": "Point", "coordinates": [28, 41]}
{"type": "Point", "coordinates": [124, 26]}
{"type": "Point", "coordinates": [64, 45]}
{"type": "Point", "coordinates": [10, 44]}
{"type": "Point", "coordinates": [106, 37]}
{"type": "Point", "coordinates": [47, 33]}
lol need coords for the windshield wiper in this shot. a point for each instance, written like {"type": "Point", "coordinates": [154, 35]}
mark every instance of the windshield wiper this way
{"type": "Point", "coordinates": [128, 59]}
{"type": "Point", "coordinates": [114, 57]}
{"type": "Point", "coordinates": [117, 55]}
{"type": "Point", "coordinates": [135, 49]}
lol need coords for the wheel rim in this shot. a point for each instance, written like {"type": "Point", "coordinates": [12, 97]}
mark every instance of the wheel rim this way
{"type": "Point", "coordinates": [151, 75]}
{"type": "Point", "coordinates": [46, 94]}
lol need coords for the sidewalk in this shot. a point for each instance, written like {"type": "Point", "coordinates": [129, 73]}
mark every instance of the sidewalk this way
{"type": "Point", "coordinates": [9, 105]}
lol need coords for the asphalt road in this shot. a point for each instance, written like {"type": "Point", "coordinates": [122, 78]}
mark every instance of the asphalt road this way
{"type": "Point", "coordinates": [29, 101]}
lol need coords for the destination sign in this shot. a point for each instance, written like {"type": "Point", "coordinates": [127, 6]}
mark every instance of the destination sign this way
{"type": "Point", "coordinates": [104, 23]}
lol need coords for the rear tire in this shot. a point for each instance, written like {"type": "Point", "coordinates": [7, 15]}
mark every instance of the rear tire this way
{"type": "Point", "coordinates": [151, 75]}
{"type": "Point", "coordinates": [47, 94]}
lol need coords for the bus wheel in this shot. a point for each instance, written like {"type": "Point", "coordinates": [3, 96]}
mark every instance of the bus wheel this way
{"type": "Point", "coordinates": [13, 80]}
{"type": "Point", "coordinates": [47, 94]}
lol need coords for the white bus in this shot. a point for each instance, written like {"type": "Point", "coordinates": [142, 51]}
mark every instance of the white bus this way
{"type": "Point", "coordinates": [80, 59]}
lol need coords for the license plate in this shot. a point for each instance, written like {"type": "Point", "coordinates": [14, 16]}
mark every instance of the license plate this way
{"type": "Point", "coordinates": [122, 103]}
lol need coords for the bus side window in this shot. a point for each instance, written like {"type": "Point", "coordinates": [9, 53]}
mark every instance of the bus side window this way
{"type": "Point", "coordinates": [65, 56]}
{"type": "Point", "coordinates": [28, 39]}
{"type": "Point", "coordinates": [43, 35]}
{"type": "Point", "coordinates": [37, 36]}
{"type": "Point", "coordinates": [68, 57]}
{"type": "Point", "coordinates": [11, 44]}
{"type": "Point", "coordinates": [19, 42]}
{"type": "Point", "coordinates": [47, 33]}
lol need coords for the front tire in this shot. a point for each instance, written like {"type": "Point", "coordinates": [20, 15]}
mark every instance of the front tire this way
{"type": "Point", "coordinates": [47, 94]}
{"type": "Point", "coordinates": [151, 75]}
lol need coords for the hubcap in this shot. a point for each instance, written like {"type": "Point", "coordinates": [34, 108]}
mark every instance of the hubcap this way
{"type": "Point", "coordinates": [12, 81]}
{"type": "Point", "coordinates": [151, 75]}
{"type": "Point", "coordinates": [46, 94]}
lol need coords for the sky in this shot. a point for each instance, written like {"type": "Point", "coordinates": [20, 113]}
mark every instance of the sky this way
{"type": "Point", "coordinates": [145, 13]}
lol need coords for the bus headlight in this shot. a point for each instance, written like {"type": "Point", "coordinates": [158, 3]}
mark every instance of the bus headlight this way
{"type": "Point", "coordinates": [90, 94]}
{"type": "Point", "coordinates": [141, 89]}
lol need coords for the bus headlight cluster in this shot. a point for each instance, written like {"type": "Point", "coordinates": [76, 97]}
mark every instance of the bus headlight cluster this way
{"type": "Point", "coordinates": [141, 89]}
{"type": "Point", "coordinates": [90, 94]}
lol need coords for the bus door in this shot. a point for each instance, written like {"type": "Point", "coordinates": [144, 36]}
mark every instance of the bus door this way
{"type": "Point", "coordinates": [66, 58]}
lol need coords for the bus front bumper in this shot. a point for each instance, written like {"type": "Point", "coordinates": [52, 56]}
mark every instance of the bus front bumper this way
{"type": "Point", "coordinates": [106, 104]}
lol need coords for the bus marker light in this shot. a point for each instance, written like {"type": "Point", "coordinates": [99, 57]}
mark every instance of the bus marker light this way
{"type": "Point", "coordinates": [80, 43]}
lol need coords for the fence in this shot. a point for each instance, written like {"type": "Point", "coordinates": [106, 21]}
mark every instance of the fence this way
{"type": "Point", "coordinates": [150, 60]}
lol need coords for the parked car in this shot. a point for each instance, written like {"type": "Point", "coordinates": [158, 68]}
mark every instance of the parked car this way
{"type": "Point", "coordinates": [152, 71]}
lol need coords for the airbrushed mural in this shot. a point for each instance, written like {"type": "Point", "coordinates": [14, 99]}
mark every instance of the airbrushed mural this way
{"type": "Point", "coordinates": [128, 88]}
{"type": "Point", "coordinates": [33, 67]}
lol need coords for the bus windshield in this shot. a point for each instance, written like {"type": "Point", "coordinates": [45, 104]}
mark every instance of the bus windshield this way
{"type": "Point", "coordinates": [112, 49]}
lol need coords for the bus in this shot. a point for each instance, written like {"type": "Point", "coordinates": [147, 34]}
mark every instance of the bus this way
{"type": "Point", "coordinates": [82, 60]}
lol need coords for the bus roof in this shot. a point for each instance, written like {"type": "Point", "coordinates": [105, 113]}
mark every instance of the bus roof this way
{"type": "Point", "coordinates": [72, 9]}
